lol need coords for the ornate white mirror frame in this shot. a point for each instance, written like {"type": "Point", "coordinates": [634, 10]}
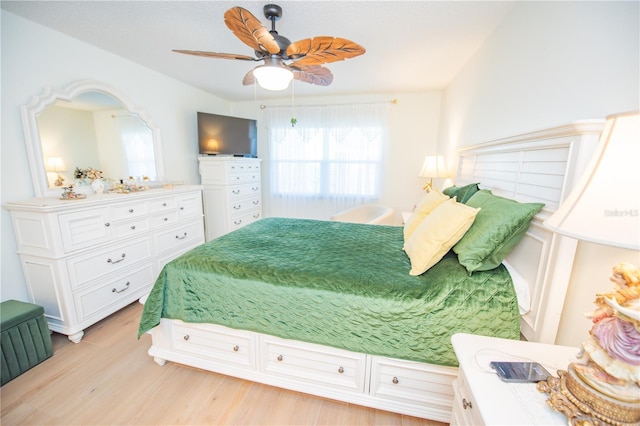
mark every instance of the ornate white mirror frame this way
{"type": "Point", "coordinates": [49, 97]}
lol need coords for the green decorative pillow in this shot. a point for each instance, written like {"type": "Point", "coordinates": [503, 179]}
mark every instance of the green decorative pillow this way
{"type": "Point", "coordinates": [462, 193]}
{"type": "Point", "coordinates": [498, 227]}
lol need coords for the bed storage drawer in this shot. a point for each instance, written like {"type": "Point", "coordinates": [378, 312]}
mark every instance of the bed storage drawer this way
{"type": "Point", "coordinates": [412, 382]}
{"type": "Point", "coordinates": [308, 362]}
{"type": "Point", "coordinates": [232, 347]}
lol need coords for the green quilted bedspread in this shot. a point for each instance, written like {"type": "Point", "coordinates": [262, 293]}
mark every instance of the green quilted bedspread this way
{"type": "Point", "coordinates": [336, 284]}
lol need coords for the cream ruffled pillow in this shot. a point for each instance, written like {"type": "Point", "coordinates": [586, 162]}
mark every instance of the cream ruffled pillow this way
{"type": "Point", "coordinates": [437, 233]}
{"type": "Point", "coordinates": [428, 203]}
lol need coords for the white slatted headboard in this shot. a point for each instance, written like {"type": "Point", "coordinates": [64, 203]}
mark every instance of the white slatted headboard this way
{"type": "Point", "coordinates": [540, 166]}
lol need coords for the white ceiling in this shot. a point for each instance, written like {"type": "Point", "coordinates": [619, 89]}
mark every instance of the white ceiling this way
{"type": "Point", "coordinates": [411, 45]}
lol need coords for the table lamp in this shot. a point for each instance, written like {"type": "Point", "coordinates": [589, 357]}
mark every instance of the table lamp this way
{"type": "Point", "coordinates": [432, 167]}
{"type": "Point", "coordinates": [604, 207]}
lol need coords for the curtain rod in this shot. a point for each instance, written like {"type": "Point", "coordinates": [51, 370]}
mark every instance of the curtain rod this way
{"type": "Point", "coordinates": [392, 101]}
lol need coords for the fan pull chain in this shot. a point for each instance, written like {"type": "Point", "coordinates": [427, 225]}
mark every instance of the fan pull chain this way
{"type": "Point", "coordinates": [294, 120]}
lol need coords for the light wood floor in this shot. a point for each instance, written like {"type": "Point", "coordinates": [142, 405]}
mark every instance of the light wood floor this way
{"type": "Point", "coordinates": [108, 378]}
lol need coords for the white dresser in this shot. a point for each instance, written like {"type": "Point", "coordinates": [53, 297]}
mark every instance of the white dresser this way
{"type": "Point", "coordinates": [85, 259]}
{"type": "Point", "coordinates": [232, 193]}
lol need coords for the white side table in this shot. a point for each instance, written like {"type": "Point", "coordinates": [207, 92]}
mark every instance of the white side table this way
{"type": "Point", "coordinates": [405, 217]}
{"type": "Point", "coordinates": [480, 397]}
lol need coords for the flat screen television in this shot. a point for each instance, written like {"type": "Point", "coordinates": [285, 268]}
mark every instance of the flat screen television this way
{"type": "Point", "coordinates": [225, 135]}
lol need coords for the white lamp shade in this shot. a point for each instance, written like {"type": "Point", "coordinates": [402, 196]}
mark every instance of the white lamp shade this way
{"type": "Point", "coordinates": [432, 167]}
{"type": "Point", "coordinates": [55, 164]}
{"type": "Point", "coordinates": [604, 207]}
{"type": "Point", "coordinates": [272, 77]}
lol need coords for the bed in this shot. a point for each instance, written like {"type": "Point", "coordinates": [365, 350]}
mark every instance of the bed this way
{"type": "Point", "coordinates": [363, 330]}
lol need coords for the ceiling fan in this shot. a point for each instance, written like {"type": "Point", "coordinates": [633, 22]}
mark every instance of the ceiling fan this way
{"type": "Point", "coordinates": [283, 60]}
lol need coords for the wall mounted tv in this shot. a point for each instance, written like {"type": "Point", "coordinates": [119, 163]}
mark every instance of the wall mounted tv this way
{"type": "Point", "coordinates": [224, 135]}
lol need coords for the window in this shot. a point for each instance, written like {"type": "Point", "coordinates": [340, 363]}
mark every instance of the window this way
{"type": "Point", "coordinates": [328, 162]}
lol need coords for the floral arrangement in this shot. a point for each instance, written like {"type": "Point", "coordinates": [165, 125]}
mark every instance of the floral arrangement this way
{"type": "Point", "coordinates": [88, 173]}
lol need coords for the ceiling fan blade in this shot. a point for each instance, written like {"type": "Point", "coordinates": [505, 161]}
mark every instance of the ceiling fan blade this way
{"type": "Point", "coordinates": [321, 50]}
{"type": "Point", "coordinates": [217, 55]}
{"type": "Point", "coordinates": [249, 29]}
{"type": "Point", "coordinates": [320, 76]}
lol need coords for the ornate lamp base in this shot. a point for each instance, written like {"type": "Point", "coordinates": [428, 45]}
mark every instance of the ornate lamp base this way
{"type": "Point", "coordinates": [584, 406]}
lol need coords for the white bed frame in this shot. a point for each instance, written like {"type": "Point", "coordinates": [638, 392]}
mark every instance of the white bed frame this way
{"type": "Point", "coordinates": [537, 166]}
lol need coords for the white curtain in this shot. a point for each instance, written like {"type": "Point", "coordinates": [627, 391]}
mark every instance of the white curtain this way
{"type": "Point", "coordinates": [137, 144]}
{"type": "Point", "coordinates": [329, 159]}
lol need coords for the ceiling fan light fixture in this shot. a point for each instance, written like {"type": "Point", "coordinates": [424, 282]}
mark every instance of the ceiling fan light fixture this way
{"type": "Point", "coordinates": [272, 77]}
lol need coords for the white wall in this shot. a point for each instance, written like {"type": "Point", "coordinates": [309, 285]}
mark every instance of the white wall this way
{"type": "Point", "coordinates": [34, 57]}
{"type": "Point", "coordinates": [413, 123]}
{"type": "Point", "coordinates": [551, 63]}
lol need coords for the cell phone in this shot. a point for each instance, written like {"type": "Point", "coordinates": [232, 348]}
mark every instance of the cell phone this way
{"type": "Point", "coordinates": [520, 372]}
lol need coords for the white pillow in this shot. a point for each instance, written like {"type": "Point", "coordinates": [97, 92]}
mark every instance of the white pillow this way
{"type": "Point", "coordinates": [427, 204]}
{"type": "Point", "coordinates": [437, 233]}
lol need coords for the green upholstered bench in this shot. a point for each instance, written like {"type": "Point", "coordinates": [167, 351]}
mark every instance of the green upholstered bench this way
{"type": "Point", "coordinates": [25, 338]}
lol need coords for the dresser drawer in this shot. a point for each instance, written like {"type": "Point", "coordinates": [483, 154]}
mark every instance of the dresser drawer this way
{"type": "Point", "coordinates": [464, 410]}
{"type": "Point", "coordinates": [233, 347]}
{"type": "Point", "coordinates": [84, 229]}
{"type": "Point", "coordinates": [166, 204]}
{"type": "Point", "coordinates": [412, 382]}
{"type": "Point", "coordinates": [115, 293]}
{"type": "Point", "coordinates": [241, 207]}
{"type": "Point", "coordinates": [130, 228]}
{"type": "Point", "coordinates": [163, 219]}
{"type": "Point", "coordinates": [183, 235]}
{"type": "Point", "coordinates": [87, 268]}
{"type": "Point", "coordinates": [243, 220]}
{"type": "Point", "coordinates": [239, 178]}
{"type": "Point", "coordinates": [190, 205]}
{"type": "Point", "coordinates": [334, 367]}
{"type": "Point", "coordinates": [240, 192]}
{"type": "Point", "coordinates": [129, 210]}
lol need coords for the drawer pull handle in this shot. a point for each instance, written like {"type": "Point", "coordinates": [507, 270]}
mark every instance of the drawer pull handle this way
{"type": "Point", "coordinates": [182, 208]}
{"type": "Point", "coordinates": [466, 404]}
{"type": "Point", "coordinates": [165, 219]}
{"type": "Point", "coordinates": [237, 207]}
{"type": "Point", "coordinates": [130, 210]}
{"type": "Point", "coordinates": [181, 237]}
{"type": "Point", "coordinates": [237, 222]}
{"type": "Point", "coordinates": [236, 348]}
{"type": "Point", "coordinates": [107, 224]}
{"type": "Point", "coordinates": [341, 370]}
{"type": "Point", "coordinates": [116, 261]}
{"type": "Point", "coordinates": [126, 287]}
{"type": "Point", "coordinates": [236, 191]}
{"type": "Point", "coordinates": [133, 227]}
{"type": "Point", "coordinates": [186, 337]}
{"type": "Point", "coordinates": [256, 202]}
{"type": "Point", "coordinates": [280, 357]}
{"type": "Point", "coordinates": [255, 188]}
{"type": "Point", "coordinates": [257, 215]}
{"type": "Point", "coordinates": [164, 204]}
{"type": "Point", "coordinates": [395, 381]}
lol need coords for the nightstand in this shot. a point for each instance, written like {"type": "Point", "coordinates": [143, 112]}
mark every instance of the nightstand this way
{"type": "Point", "coordinates": [480, 397]}
{"type": "Point", "coordinates": [405, 217]}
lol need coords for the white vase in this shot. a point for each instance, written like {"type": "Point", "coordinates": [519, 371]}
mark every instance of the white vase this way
{"type": "Point", "coordinates": [97, 186]}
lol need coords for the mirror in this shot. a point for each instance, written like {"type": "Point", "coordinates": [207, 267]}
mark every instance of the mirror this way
{"type": "Point", "coordinates": [88, 125]}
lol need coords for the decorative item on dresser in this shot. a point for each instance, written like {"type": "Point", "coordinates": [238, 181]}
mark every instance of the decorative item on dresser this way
{"type": "Point", "coordinates": [232, 193]}
{"type": "Point", "coordinates": [85, 260]}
